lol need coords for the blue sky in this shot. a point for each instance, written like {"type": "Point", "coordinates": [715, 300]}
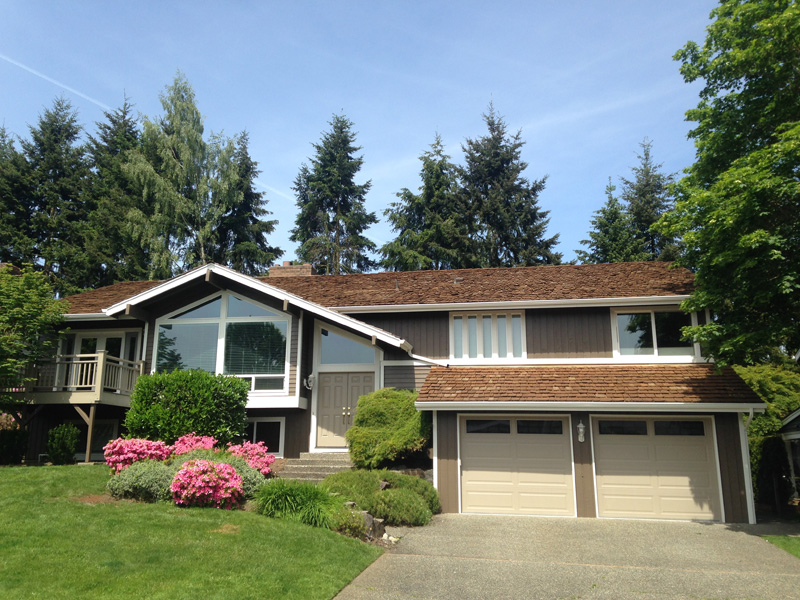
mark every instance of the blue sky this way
{"type": "Point", "coordinates": [584, 81]}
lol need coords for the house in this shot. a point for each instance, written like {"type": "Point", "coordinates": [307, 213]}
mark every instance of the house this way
{"type": "Point", "coordinates": [556, 390]}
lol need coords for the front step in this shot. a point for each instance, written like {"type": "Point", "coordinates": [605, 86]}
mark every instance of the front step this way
{"type": "Point", "coordinates": [314, 466]}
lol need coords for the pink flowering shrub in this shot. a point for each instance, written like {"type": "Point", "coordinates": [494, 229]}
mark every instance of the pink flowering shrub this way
{"type": "Point", "coordinates": [120, 453]}
{"type": "Point", "coordinates": [255, 455]}
{"type": "Point", "coordinates": [192, 441]}
{"type": "Point", "coordinates": [209, 484]}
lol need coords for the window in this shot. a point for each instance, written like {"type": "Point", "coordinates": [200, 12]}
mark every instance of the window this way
{"type": "Point", "coordinates": [269, 430]}
{"type": "Point", "coordinates": [695, 428]}
{"type": "Point", "coordinates": [227, 335]}
{"type": "Point", "coordinates": [337, 349]}
{"type": "Point", "coordinates": [540, 427]}
{"type": "Point", "coordinates": [653, 333]}
{"type": "Point", "coordinates": [488, 426]}
{"type": "Point", "coordinates": [605, 427]}
{"type": "Point", "coordinates": [487, 335]}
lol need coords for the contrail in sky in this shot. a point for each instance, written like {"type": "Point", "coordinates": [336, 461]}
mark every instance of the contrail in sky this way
{"type": "Point", "coordinates": [54, 82]}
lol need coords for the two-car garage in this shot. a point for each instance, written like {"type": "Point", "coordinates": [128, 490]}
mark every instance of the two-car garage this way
{"type": "Point", "coordinates": [663, 467]}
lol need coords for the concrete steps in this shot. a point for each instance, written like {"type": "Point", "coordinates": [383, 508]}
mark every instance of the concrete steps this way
{"type": "Point", "coordinates": [315, 466]}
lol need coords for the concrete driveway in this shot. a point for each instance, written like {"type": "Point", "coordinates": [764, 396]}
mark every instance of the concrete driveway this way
{"type": "Point", "coordinates": [465, 557]}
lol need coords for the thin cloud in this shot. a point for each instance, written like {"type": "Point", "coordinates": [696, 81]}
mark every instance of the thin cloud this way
{"type": "Point", "coordinates": [71, 90]}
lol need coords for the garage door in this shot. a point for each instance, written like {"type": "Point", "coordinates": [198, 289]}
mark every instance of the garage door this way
{"type": "Point", "coordinates": [516, 465]}
{"type": "Point", "coordinates": [656, 468]}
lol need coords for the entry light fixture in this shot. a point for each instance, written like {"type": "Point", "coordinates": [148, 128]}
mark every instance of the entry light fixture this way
{"type": "Point", "coordinates": [581, 431]}
{"type": "Point", "coordinates": [308, 382]}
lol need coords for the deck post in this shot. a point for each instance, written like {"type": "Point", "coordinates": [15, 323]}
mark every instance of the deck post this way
{"type": "Point", "coordinates": [100, 375]}
{"type": "Point", "coordinates": [89, 433]}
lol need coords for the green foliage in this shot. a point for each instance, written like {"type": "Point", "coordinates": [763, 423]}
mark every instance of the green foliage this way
{"type": "Point", "coordinates": [508, 224]}
{"type": "Point", "coordinates": [431, 230]}
{"type": "Point", "coordinates": [298, 500]}
{"type": "Point", "coordinates": [29, 319]}
{"type": "Point", "coordinates": [252, 479]}
{"type": "Point", "coordinates": [401, 507]}
{"type": "Point", "coordinates": [62, 443]}
{"type": "Point", "coordinates": [13, 443]}
{"type": "Point", "coordinates": [165, 406]}
{"type": "Point", "coordinates": [394, 504]}
{"type": "Point", "coordinates": [349, 522]}
{"type": "Point", "coordinates": [387, 428]}
{"type": "Point", "coordinates": [144, 480]}
{"type": "Point", "coordinates": [612, 238]}
{"type": "Point", "coordinates": [332, 216]}
{"type": "Point", "coordinates": [770, 470]}
{"type": "Point", "coordinates": [779, 388]}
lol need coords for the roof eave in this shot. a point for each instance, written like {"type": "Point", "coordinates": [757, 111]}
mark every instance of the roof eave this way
{"type": "Point", "coordinates": [598, 406]}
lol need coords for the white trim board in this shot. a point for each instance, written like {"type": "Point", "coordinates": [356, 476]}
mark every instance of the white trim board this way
{"type": "Point", "coordinates": [643, 407]}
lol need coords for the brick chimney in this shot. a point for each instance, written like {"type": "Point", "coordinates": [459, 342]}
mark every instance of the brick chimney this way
{"type": "Point", "coordinates": [290, 270]}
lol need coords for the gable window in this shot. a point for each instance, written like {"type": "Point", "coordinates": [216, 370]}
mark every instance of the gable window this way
{"type": "Point", "coordinates": [227, 335]}
{"type": "Point", "coordinates": [652, 333]}
{"type": "Point", "coordinates": [487, 335]}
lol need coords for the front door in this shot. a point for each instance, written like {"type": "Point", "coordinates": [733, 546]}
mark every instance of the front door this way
{"type": "Point", "coordinates": [336, 404]}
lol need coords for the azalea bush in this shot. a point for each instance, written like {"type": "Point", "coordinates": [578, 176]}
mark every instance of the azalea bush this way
{"type": "Point", "coordinates": [207, 484]}
{"type": "Point", "coordinates": [255, 454]}
{"type": "Point", "coordinates": [120, 453]}
{"type": "Point", "coordinates": [192, 441]}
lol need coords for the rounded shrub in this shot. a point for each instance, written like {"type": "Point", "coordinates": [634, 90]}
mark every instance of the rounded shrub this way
{"type": "Point", "coordinates": [355, 485]}
{"type": "Point", "coordinates": [62, 443]}
{"type": "Point", "coordinates": [122, 453]}
{"type": "Point", "coordinates": [252, 479]}
{"type": "Point", "coordinates": [145, 480]}
{"type": "Point", "coordinates": [421, 487]}
{"type": "Point", "coordinates": [349, 522]}
{"type": "Point", "coordinates": [401, 507]}
{"type": "Point", "coordinates": [298, 500]}
{"type": "Point", "coordinates": [207, 484]}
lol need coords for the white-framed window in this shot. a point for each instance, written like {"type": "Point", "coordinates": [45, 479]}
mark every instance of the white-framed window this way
{"type": "Point", "coordinates": [651, 332]}
{"type": "Point", "coordinates": [487, 335]}
{"type": "Point", "coordinates": [270, 430]}
{"type": "Point", "coordinates": [228, 335]}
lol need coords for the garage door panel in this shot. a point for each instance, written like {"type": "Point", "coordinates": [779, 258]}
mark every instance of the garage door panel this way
{"type": "Point", "coordinates": [667, 477]}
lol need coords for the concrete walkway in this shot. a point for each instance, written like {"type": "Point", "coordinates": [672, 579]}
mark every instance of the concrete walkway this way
{"type": "Point", "coordinates": [466, 557]}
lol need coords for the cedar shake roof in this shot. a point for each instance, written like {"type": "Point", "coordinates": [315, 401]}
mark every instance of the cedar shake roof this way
{"type": "Point", "coordinates": [586, 383]}
{"type": "Point", "coordinates": [554, 282]}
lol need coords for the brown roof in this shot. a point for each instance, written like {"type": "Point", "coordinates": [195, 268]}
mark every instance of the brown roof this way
{"type": "Point", "coordinates": [562, 282]}
{"type": "Point", "coordinates": [586, 383]}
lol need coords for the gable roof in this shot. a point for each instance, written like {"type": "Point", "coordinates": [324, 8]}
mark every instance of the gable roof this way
{"type": "Point", "coordinates": [518, 284]}
{"type": "Point", "coordinates": [609, 387]}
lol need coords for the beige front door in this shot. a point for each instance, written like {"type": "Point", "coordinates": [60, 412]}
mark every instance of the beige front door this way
{"type": "Point", "coordinates": [656, 468]}
{"type": "Point", "coordinates": [516, 465]}
{"type": "Point", "coordinates": [336, 404]}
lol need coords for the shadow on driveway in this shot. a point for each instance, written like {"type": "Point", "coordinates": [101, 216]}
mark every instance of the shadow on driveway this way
{"type": "Point", "coordinates": [466, 557]}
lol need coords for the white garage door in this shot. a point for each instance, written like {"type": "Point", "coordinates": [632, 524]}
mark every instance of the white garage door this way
{"type": "Point", "coordinates": [656, 468]}
{"type": "Point", "coordinates": [520, 465]}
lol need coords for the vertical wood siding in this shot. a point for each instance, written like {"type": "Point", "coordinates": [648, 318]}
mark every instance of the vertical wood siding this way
{"type": "Point", "coordinates": [409, 377]}
{"type": "Point", "coordinates": [584, 471]}
{"type": "Point", "coordinates": [568, 333]}
{"type": "Point", "coordinates": [427, 332]}
{"type": "Point", "coordinates": [731, 470]}
{"type": "Point", "coordinates": [447, 455]}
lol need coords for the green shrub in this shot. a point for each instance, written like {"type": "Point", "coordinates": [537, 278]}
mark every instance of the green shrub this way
{"type": "Point", "coordinates": [12, 445]}
{"type": "Point", "coordinates": [779, 387]}
{"type": "Point", "coordinates": [356, 485]}
{"type": "Point", "coordinates": [421, 487]}
{"type": "Point", "coordinates": [349, 522]}
{"type": "Point", "coordinates": [387, 429]}
{"type": "Point", "coordinates": [62, 443]}
{"type": "Point", "coordinates": [165, 406]}
{"type": "Point", "coordinates": [770, 469]}
{"type": "Point", "coordinates": [399, 506]}
{"type": "Point", "coordinates": [252, 479]}
{"type": "Point", "coordinates": [145, 480]}
{"type": "Point", "coordinates": [297, 500]}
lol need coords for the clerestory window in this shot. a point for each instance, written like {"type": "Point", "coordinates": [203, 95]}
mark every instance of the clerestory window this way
{"type": "Point", "coordinates": [228, 335]}
{"type": "Point", "coordinates": [487, 335]}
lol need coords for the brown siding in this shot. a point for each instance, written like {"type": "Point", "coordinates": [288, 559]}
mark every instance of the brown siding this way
{"type": "Point", "coordinates": [584, 471]}
{"type": "Point", "coordinates": [293, 341]}
{"type": "Point", "coordinates": [447, 457]}
{"type": "Point", "coordinates": [298, 426]}
{"type": "Point", "coordinates": [731, 470]}
{"type": "Point", "coordinates": [409, 377]}
{"type": "Point", "coordinates": [568, 333]}
{"type": "Point", "coordinates": [427, 332]}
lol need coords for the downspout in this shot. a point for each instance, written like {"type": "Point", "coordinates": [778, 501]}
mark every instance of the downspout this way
{"type": "Point", "coordinates": [748, 476]}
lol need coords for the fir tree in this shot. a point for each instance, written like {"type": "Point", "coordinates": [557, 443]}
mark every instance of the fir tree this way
{"type": "Point", "coordinates": [16, 208]}
{"type": "Point", "coordinates": [331, 214]}
{"type": "Point", "coordinates": [506, 222]}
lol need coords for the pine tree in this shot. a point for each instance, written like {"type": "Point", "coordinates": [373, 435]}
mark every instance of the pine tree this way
{"type": "Point", "coordinates": [647, 197]}
{"type": "Point", "coordinates": [432, 233]}
{"type": "Point", "coordinates": [18, 246]}
{"type": "Point", "coordinates": [612, 238]}
{"type": "Point", "coordinates": [507, 224]}
{"type": "Point", "coordinates": [332, 217]}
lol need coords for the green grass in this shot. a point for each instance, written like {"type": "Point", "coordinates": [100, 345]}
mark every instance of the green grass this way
{"type": "Point", "coordinates": [785, 542]}
{"type": "Point", "coordinates": [62, 537]}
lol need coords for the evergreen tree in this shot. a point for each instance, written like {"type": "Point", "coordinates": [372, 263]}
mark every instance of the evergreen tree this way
{"type": "Point", "coordinates": [59, 209]}
{"type": "Point", "coordinates": [647, 197]}
{"type": "Point", "coordinates": [506, 223]}
{"type": "Point", "coordinates": [332, 216]}
{"type": "Point", "coordinates": [243, 232]}
{"type": "Point", "coordinates": [612, 238]}
{"type": "Point", "coordinates": [18, 246]}
{"type": "Point", "coordinates": [432, 233]}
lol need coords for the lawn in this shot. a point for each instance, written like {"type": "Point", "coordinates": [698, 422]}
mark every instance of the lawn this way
{"type": "Point", "coordinates": [64, 537]}
{"type": "Point", "coordinates": [785, 542]}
